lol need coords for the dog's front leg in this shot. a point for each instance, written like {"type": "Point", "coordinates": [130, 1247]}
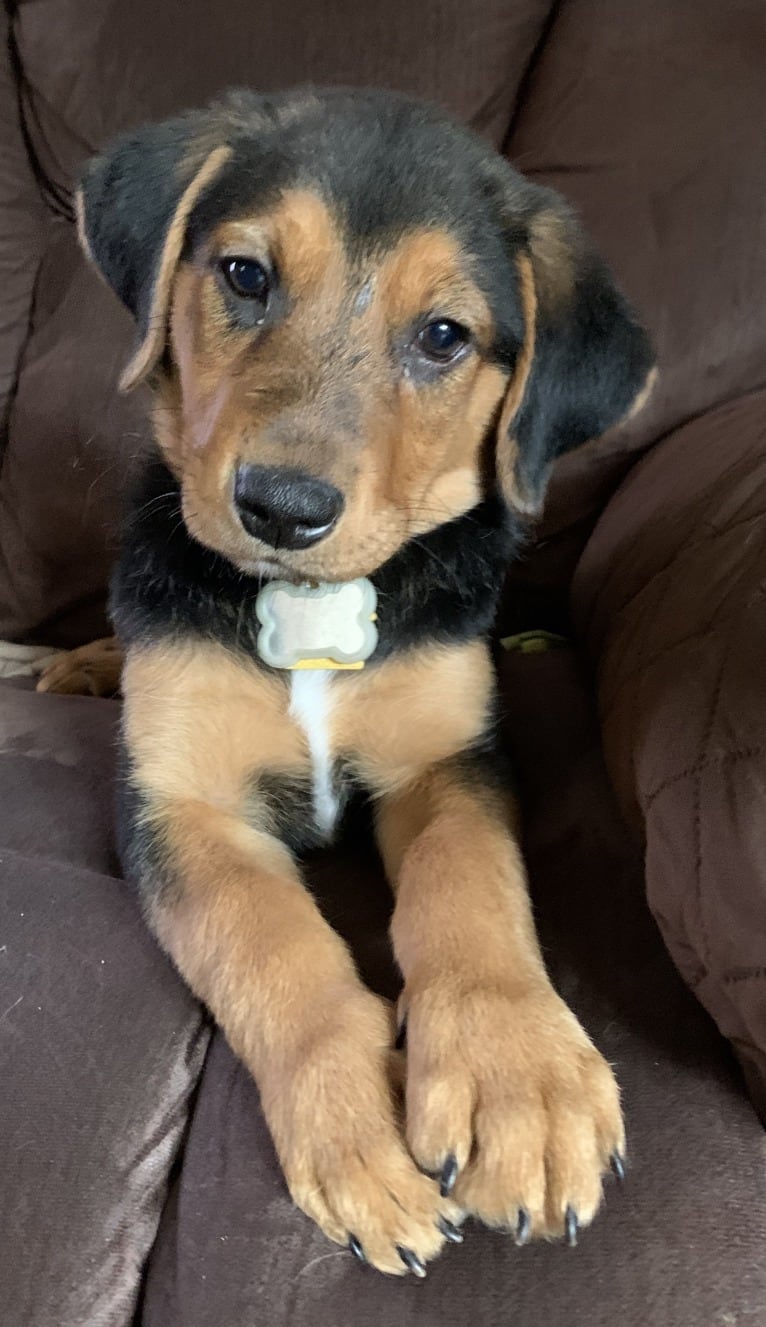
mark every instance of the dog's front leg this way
{"type": "Point", "coordinates": [227, 903]}
{"type": "Point", "coordinates": [507, 1099]}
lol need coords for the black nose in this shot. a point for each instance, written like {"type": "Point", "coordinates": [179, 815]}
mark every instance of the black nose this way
{"type": "Point", "coordinates": [285, 508]}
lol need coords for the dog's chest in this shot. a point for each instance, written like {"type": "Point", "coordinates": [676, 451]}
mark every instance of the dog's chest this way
{"type": "Point", "coordinates": [380, 729]}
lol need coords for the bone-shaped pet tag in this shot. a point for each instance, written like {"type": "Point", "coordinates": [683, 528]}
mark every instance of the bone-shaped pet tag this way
{"type": "Point", "coordinates": [323, 626]}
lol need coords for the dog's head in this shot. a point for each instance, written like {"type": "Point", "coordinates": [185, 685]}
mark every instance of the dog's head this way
{"type": "Point", "coordinates": [357, 319]}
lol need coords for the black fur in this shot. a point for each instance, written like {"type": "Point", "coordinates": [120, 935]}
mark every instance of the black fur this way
{"type": "Point", "coordinates": [591, 360]}
{"type": "Point", "coordinates": [443, 587]}
{"type": "Point", "coordinates": [286, 800]}
{"type": "Point", "coordinates": [140, 850]}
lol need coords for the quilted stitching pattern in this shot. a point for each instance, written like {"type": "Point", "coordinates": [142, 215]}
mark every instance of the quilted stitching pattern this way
{"type": "Point", "coordinates": [671, 597]}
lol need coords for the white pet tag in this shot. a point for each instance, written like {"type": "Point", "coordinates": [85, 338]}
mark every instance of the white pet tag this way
{"type": "Point", "coordinates": [323, 626]}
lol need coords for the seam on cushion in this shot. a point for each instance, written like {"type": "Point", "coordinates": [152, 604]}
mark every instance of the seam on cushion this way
{"type": "Point", "coordinates": [663, 592]}
{"type": "Point", "coordinates": [699, 766]}
{"type": "Point", "coordinates": [697, 813]}
{"type": "Point", "coordinates": [14, 64]}
{"type": "Point", "coordinates": [13, 390]}
{"type": "Point", "coordinates": [743, 974]}
{"type": "Point", "coordinates": [57, 198]}
{"type": "Point", "coordinates": [524, 83]}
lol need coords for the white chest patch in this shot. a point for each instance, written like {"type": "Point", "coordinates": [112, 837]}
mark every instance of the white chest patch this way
{"type": "Point", "coordinates": [310, 705]}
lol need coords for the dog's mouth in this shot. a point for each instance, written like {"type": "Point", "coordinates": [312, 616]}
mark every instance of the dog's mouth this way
{"type": "Point", "coordinates": [270, 569]}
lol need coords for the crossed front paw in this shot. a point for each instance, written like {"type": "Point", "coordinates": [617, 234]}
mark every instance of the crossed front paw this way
{"type": "Point", "coordinates": [511, 1105]}
{"type": "Point", "coordinates": [335, 1121]}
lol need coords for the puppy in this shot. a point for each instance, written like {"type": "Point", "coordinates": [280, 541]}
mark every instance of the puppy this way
{"type": "Point", "coordinates": [368, 340]}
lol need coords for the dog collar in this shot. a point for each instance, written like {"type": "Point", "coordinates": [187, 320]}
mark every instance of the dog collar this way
{"type": "Point", "coordinates": [317, 626]}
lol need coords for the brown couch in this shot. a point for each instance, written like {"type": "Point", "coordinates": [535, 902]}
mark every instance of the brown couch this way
{"type": "Point", "coordinates": [138, 1181]}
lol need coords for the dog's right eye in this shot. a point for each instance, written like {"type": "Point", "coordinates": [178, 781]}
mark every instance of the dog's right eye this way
{"type": "Point", "coordinates": [247, 278]}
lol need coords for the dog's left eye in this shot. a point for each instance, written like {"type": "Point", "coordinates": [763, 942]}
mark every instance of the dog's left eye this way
{"type": "Point", "coordinates": [247, 278]}
{"type": "Point", "coordinates": [442, 340]}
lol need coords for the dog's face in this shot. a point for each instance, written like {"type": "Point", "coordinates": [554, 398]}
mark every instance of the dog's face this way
{"type": "Point", "coordinates": [358, 321]}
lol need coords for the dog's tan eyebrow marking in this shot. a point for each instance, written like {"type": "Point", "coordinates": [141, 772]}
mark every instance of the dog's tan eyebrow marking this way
{"type": "Point", "coordinates": [427, 270]}
{"type": "Point", "coordinates": [299, 234]}
{"type": "Point", "coordinates": [251, 238]}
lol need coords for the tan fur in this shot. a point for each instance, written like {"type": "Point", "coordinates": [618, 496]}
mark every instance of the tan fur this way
{"type": "Point", "coordinates": [419, 708]}
{"type": "Point", "coordinates": [551, 244]}
{"type": "Point", "coordinates": [425, 270]}
{"type": "Point", "coordinates": [299, 233]}
{"type": "Point", "coordinates": [91, 670]}
{"type": "Point", "coordinates": [199, 723]}
{"type": "Point", "coordinates": [251, 943]}
{"type": "Point", "coordinates": [499, 1071]}
{"type": "Point", "coordinates": [153, 343]}
{"type": "Point", "coordinates": [507, 451]}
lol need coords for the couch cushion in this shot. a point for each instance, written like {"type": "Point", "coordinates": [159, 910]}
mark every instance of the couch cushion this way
{"type": "Point", "coordinates": [680, 1245]}
{"type": "Point", "coordinates": [670, 594]}
{"type": "Point", "coordinates": [101, 1044]}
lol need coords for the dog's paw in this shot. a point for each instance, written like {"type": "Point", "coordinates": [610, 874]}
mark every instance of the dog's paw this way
{"type": "Point", "coordinates": [91, 670]}
{"type": "Point", "coordinates": [333, 1118]}
{"type": "Point", "coordinates": [512, 1106]}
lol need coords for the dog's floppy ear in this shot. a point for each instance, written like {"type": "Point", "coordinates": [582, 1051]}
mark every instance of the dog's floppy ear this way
{"type": "Point", "coordinates": [133, 207]}
{"type": "Point", "coordinates": [585, 362]}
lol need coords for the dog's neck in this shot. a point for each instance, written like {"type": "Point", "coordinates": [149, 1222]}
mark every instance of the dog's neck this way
{"type": "Point", "coordinates": [442, 587]}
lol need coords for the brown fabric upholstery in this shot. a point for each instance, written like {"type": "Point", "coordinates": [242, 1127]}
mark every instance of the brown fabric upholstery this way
{"type": "Point", "coordinates": [22, 222]}
{"type": "Point", "coordinates": [100, 1043]}
{"type": "Point", "coordinates": [649, 118]}
{"type": "Point", "coordinates": [671, 593]}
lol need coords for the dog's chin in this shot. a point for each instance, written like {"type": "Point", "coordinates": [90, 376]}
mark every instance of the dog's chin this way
{"type": "Point", "coordinates": [260, 562]}
{"type": "Point", "coordinates": [265, 563]}
{"type": "Point", "coordinates": [271, 569]}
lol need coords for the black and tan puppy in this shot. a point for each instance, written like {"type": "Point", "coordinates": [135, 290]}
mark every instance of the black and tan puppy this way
{"type": "Point", "coordinates": [369, 338]}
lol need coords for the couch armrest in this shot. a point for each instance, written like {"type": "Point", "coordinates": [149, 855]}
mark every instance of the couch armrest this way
{"type": "Point", "coordinates": [671, 597]}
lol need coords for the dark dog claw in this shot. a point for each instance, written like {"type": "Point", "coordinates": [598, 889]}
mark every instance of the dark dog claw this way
{"type": "Point", "coordinates": [571, 1227]}
{"type": "Point", "coordinates": [449, 1231]}
{"type": "Point", "coordinates": [448, 1176]}
{"type": "Point", "coordinates": [356, 1248]}
{"type": "Point", "coordinates": [617, 1163]}
{"type": "Point", "coordinates": [411, 1261]}
{"type": "Point", "coordinates": [401, 1036]}
{"type": "Point", "coordinates": [523, 1227]}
